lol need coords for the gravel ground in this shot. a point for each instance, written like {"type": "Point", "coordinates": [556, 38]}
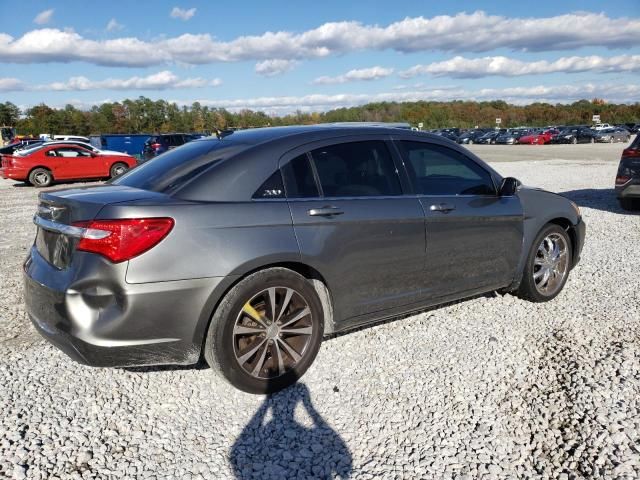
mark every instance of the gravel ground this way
{"type": "Point", "coordinates": [492, 387]}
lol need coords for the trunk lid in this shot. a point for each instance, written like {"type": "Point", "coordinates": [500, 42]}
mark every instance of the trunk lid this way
{"type": "Point", "coordinates": [56, 238]}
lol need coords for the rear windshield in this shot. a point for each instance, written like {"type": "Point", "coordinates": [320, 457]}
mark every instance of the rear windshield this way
{"type": "Point", "coordinates": [172, 170]}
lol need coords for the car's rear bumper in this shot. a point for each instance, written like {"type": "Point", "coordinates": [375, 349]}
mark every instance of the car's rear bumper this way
{"type": "Point", "coordinates": [631, 189]}
{"type": "Point", "coordinates": [13, 173]}
{"type": "Point", "coordinates": [104, 324]}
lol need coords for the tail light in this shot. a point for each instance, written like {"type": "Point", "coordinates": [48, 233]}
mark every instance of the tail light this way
{"type": "Point", "coordinates": [631, 152]}
{"type": "Point", "coordinates": [121, 240]}
{"type": "Point", "coordinates": [156, 146]}
{"type": "Point", "coordinates": [622, 179]}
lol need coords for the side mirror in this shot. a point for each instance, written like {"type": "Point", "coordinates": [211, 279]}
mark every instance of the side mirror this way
{"type": "Point", "coordinates": [93, 154]}
{"type": "Point", "coordinates": [509, 186]}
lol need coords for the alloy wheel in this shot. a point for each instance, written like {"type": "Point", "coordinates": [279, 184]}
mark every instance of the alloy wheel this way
{"type": "Point", "coordinates": [272, 332]}
{"type": "Point", "coordinates": [41, 178]}
{"type": "Point", "coordinates": [551, 264]}
{"type": "Point", "coordinates": [119, 170]}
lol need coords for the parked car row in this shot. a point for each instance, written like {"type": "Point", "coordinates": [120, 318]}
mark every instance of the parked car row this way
{"type": "Point", "coordinates": [601, 133]}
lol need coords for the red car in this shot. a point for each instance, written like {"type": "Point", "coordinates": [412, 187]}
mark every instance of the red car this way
{"type": "Point", "coordinates": [63, 162]}
{"type": "Point", "coordinates": [539, 138]}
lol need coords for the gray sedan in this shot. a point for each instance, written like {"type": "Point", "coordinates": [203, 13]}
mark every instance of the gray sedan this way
{"type": "Point", "coordinates": [247, 249]}
{"type": "Point", "coordinates": [612, 135]}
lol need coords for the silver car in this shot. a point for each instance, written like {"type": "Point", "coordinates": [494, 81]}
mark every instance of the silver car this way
{"type": "Point", "coordinates": [612, 135]}
{"type": "Point", "coordinates": [249, 248]}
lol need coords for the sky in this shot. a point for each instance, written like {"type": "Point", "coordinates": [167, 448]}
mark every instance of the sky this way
{"type": "Point", "coordinates": [282, 56]}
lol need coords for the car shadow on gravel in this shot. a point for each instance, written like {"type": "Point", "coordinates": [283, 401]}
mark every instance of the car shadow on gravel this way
{"type": "Point", "coordinates": [288, 438]}
{"type": "Point", "coordinates": [597, 198]}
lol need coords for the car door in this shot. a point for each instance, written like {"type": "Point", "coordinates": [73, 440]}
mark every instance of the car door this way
{"type": "Point", "coordinates": [354, 224]}
{"type": "Point", "coordinates": [474, 236]}
{"type": "Point", "coordinates": [80, 163]}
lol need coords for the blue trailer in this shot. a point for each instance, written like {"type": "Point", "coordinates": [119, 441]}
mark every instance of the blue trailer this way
{"type": "Point", "coordinates": [120, 142]}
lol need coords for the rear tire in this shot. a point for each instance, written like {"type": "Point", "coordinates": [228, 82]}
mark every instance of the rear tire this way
{"type": "Point", "coordinates": [40, 178]}
{"type": "Point", "coordinates": [118, 169]}
{"type": "Point", "coordinates": [256, 359]}
{"type": "Point", "coordinates": [533, 286]}
{"type": "Point", "coordinates": [629, 203]}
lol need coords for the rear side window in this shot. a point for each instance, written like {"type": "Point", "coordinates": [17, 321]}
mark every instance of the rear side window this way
{"type": "Point", "coordinates": [299, 179]}
{"type": "Point", "coordinates": [439, 170]}
{"type": "Point", "coordinates": [356, 169]}
{"type": "Point", "coordinates": [174, 169]}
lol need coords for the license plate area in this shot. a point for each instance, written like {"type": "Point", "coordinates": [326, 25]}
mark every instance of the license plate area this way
{"type": "Point", "coordinates": [55, 248]}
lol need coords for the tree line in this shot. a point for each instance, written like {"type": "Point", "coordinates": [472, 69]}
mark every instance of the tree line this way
{"type": "Point", "coordinates": [143, 115]}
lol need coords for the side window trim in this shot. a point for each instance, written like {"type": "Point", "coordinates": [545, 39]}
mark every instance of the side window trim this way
{"type": "Point", "coordinates": [316, 177]}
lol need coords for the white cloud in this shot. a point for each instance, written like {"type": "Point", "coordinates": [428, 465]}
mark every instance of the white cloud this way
{"type": "Point", "coordinates": [273, 67]}
{"type": "Point", "coordinates": [373, 73]}
{"type": "Point", "coordinates": [11, 85]}
{"type": "Point", "coordinates": [320, 102]}
{"type": "Point", "coordinates": [44, 17]}
{"type": "Point", "coordinates": [518, 95]}
{"type": "Point", "coordinates": [475, 32]}
{"type": "Point", "coordinates": [164, 80]}
{"type": "Point", "coordinates": [460, 67]}
{"type": "Point", "coordinates": [182, 13]}
{"type": "Point", "coordinates": [114, 26]}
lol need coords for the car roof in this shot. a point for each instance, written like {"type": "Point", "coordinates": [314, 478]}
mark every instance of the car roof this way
{"type": "Point", "coordinates": [255, 136]}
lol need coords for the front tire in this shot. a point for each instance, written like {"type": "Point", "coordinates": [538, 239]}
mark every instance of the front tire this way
{"type": "Point", "coordinates": [40, 178]}
{"type": "Point", "coordinates": [266, 331]}
{"type": "Point", "coordinates": [548, 265]}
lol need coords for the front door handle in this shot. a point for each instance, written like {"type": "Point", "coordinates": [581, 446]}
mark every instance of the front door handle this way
{"type": "Point", "coordinates": [442, 207]}
{"type": "Point", "coordinates": [327, 211]}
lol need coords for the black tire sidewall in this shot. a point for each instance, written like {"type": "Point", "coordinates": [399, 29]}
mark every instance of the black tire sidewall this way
{"type": "Point", "coordinates": [527, 286]}
{"type": "Point", "coordinates": [35, 172]}
{"type": "Point", "coordinates": [219, 345]}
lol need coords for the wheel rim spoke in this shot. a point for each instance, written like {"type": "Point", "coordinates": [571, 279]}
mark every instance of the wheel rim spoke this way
{"type": "Point", "coordinates": [285, 303]}
{"type": "Point", "coordinates": [297, 331]}
{"type": "Point", "coordinates": [243, 359]}
{"type": "Point", "coordinates": [256, 370]}
{"type": "Point", "coordinates": [303, 313]}
{"type": "Point", "coordinates": [243, 330]}
{"type": "Point", "coordinates": [276, 345]}
{"type": "Point", "coordinates": [272, 303]}
{"type": "Point", "coordinates": [295, 355]}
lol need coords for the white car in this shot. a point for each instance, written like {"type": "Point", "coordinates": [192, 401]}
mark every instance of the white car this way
{"type": "Point", "coordinates": [71, 138]}
{"type": "Point", "coordinates": [27, 151]}
{"type": "Point", "coordinates": [601, 126]}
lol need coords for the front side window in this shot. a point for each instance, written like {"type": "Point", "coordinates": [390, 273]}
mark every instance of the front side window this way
{"type": "Point", "coordinates": [67, 152]}
{"type": "Point", "coordinates": [356, 169]}
{"type": "Point", "coordinates": [439, 170]}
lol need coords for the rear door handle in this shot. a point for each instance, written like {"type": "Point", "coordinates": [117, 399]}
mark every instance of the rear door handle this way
{"type": "Point", "coordinates": [442, 207]}
{"type": "Point", "coordinates": [327, 211]}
